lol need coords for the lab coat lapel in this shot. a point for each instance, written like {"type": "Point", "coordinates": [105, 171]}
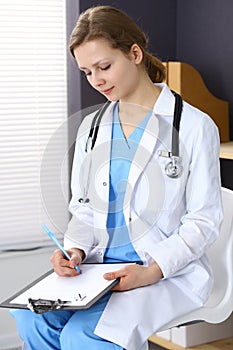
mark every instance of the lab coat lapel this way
{"type": "Point", "coordinates": [105, 131]}
{"type": "Point", "coordinates": [101, 162]}
{"type": "Point", "coordinates": [163, 106]}
{"type": "Point", "coordinates": [143, 155]}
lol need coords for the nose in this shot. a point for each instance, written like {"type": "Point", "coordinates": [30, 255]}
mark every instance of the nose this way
{"type": "Point", "coordinates": [97, 79]}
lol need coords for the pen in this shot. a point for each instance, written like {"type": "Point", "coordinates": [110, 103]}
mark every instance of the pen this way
{"type": "Point", "coordinates": [51, 235]}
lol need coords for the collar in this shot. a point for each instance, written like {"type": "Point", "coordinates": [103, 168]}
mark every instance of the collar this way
{"type": "Point", "coordinates": [165, 103]}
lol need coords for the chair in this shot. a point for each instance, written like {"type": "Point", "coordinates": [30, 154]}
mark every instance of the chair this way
{"type": "Point", "coordinates": [220, 303]}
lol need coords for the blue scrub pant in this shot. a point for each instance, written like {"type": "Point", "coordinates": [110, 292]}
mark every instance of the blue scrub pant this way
{"type": "Point", "coordinates": [63, 329]}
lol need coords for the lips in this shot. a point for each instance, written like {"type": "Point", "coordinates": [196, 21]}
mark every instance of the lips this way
{"type": "Point", "coordinates": [107, 91]}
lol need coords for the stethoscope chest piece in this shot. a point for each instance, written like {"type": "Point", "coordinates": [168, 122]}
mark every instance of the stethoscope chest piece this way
{"type": "Point", "coordinates": [173, 169]}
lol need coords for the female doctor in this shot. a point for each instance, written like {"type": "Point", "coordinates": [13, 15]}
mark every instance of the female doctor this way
{"type": "Point", "coordinates": [125, 206]}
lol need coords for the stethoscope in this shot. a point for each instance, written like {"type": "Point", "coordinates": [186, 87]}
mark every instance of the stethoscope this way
{"type": "Point", "coordinates": [173, 168]}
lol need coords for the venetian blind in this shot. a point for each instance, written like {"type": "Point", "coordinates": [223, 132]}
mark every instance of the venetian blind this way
{"type": "Point", "coordinates": [33, 117]}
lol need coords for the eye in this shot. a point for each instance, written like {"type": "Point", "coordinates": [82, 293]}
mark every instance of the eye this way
{"type": "Point", "coordinates": [87, 73]}
{"type": "Point", "coordinates": [106, 68]}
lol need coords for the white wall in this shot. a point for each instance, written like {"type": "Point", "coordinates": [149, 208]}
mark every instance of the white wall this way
{"type": "Point", "coordinates": [18, 269]}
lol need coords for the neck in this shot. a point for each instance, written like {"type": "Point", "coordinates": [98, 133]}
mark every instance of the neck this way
{"type": "Point", "coordinates": [137, 106]}
{"type": "Point", "coordinates": [145, 93]}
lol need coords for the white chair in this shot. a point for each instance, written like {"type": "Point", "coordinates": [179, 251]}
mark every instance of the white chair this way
{"type": "Point", "coordinates": [220, 303]}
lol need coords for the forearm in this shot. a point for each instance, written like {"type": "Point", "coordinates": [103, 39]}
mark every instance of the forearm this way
{"type": "Point", "coordinates": [153, 274]}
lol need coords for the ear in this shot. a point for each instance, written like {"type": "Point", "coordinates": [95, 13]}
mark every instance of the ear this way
{"type": "Point", "coordinates": [136, 53]}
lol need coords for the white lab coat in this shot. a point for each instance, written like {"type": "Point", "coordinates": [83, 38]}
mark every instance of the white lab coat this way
{"type": "Point", "coordinates": [170, 221]}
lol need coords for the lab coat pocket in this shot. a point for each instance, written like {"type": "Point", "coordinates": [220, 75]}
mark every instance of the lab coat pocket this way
{"type": "Point", "coordinates": [174, 188]}
{"type": "Point", "coordinates": [149, 192]}
{"type": "Point", "coordinates": [169, 195]}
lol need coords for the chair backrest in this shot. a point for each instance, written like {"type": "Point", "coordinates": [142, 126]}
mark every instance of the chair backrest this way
{"type": "Point", "coordinates": [221, 258]}
{"type": "Point", "coordinates": [220, 304]}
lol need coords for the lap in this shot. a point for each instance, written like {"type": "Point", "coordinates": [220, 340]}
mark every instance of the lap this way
{"type": "Point", "coordinates": [66, 328]}
{"type": "Point", "coordinates": [55, 319]}
{"type": "Point", "coordinates": [61, 317]}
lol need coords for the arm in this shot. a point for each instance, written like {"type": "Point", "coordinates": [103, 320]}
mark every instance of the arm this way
{"type": "Point", "coordinates": [200, 224]}
{"type": "Point", "coordinates": [79, 232]}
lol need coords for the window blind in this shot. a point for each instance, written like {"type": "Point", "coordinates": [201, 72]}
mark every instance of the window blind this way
{"type": "Point", "coordinates": [33, 122]}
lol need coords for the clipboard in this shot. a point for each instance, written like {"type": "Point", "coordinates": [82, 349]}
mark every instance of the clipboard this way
{"type": "Point", "coordinates": [52, 292]}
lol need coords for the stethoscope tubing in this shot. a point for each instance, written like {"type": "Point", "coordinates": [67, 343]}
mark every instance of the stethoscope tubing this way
{"type": "Point", "coordinates": [176, 124]}
{"type": "Point", "coordinates": [95, 127]}
{"type": "Point", "coordinates": [173, 169]}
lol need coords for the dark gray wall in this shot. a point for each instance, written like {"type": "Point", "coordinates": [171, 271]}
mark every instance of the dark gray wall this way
{"type": "Point", "coordinates": [158, 21]}
{"type": "Point", "coordinates": [197, 32]}
{"type": "Point", "coordinates": [205, 40]}
{"type": "Point", "coordinates": [74, 91]}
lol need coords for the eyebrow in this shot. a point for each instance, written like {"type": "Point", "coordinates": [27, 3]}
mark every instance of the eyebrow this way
{"type": "Point", "coordinates": [96, 63]}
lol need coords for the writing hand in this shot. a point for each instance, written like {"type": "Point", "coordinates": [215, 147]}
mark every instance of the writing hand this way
{"type": "Point", "coordinates": [64, 267]}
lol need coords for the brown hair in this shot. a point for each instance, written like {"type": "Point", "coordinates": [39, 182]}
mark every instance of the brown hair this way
{"type": "Point", "coordinates": [120, 30]}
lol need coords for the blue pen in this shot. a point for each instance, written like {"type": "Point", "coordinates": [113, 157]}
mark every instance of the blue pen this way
{"type": "Point", "coordinates": [51, 235]}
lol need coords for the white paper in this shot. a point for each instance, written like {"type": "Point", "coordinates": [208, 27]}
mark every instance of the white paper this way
{"type": "Point", "coordinates": [79, 290]}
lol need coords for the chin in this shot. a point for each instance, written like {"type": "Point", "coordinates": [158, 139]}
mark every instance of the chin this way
{"type": "Point", "coordinates": [112, 99]}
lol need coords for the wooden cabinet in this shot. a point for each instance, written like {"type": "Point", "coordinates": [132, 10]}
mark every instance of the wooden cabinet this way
{"type": "Point", "coordinates": [225, 344]}
{"type": "Point", "coordinates": [187, 81]}
{"type": "Point", "coordinates": [226, 163]}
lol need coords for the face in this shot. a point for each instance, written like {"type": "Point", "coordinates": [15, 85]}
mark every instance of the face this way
{"type": "Point", "coordinates": [109, 70]}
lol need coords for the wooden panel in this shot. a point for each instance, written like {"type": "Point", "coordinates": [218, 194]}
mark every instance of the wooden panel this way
{"type": "Point", "coordinates": [225, 344]}
{"type": "Point", "coordinates": [186, 80]}
{"type": "Point", "coordinates": [226, 150]}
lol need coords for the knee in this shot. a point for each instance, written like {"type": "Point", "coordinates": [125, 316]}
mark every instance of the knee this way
{"type": "Point", "coordinates": [77, 334]}
{"type": "Point", "coordinates": [24, 322]}
{"type": "Point", "coordinates": [69, 336]}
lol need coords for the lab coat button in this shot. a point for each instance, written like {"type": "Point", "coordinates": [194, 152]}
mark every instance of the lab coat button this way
{"type": "Point", "coordinates": [130, 219]}
{"type": "Point", "coordinates": [104, 183]}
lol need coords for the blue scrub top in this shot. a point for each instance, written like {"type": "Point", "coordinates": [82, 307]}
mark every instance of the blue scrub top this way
{"type": "Point", "coordinates": [122, 153]}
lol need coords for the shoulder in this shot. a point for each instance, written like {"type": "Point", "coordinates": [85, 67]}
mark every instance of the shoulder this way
{"type": "Point", "coordinates": [195, 120]}
{"type": "Point", "coordinates": [87, 120]}
{"type": "Point", "coordinates": [198, 130]}
{"type": "Point", "coordinates": [90, 118]}
{"type": "Point", "coordinates": [191, 117]}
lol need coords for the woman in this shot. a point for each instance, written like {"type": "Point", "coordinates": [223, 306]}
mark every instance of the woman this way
{"type": "Point", "coordinates": [124, 206]}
